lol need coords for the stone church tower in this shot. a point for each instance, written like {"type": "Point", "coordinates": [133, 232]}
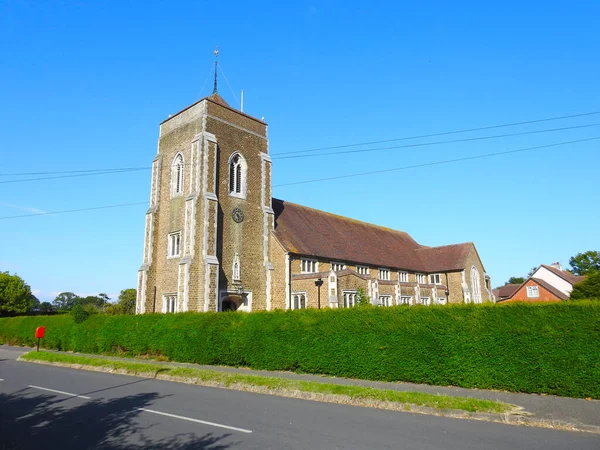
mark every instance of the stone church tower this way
{"type": "Point", "coordinates": [206, 245]}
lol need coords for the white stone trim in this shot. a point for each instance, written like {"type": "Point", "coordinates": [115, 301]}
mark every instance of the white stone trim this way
{"type": "Point", "coordinates": [332, 283]}
{"type": "Point", "coordinates": [287, 281]}
{"type": "Point", "coordinates": [268, 275]}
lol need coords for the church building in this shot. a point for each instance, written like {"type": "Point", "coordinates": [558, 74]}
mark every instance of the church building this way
{"type": "Point", "coordinates": [216, 240]}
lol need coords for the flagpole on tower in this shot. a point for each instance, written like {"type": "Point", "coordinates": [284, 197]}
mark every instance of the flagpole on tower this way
{"type": "Point", "coordinates": [216, 52]}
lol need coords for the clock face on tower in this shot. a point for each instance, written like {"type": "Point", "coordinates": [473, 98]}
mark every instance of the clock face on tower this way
{"type": "Point", "coordinates": [237, 215]}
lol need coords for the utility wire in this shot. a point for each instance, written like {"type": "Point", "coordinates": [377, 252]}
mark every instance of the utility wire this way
{"type": "Point", "coordinates": [426, 144]}
{"type": "Point", "coordinates": [440, 134]}
{"type": "Point", "coordinates": [73, 176]}
{"type": "Point", "coordinates": [435, 163]}
{"type": "Point", "coordinates": [89, 172]}
{"type": "Point", "coordinates": [74, 210]}
{"type": "Point", "coordinates": [227, 81]}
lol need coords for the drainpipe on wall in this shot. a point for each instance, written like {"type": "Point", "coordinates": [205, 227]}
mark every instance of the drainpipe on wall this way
{"type": "Point", "coordinates": [154, 301]}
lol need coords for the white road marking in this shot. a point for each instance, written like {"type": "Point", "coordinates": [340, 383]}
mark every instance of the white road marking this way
{"type": "Point", "coordinates": [1, 379]}
{"type": "Point", "coordinates": [195, 420]}
{"type": "Point", "coordinates": [59, 392]}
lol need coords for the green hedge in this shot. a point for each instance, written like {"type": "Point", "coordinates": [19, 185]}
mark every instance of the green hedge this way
{"type": "Point", "coordinates": [550, 348]}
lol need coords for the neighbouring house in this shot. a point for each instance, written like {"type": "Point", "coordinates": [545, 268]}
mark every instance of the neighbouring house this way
{"type": "Point", "coordinates": [504, 292]}
{"type": "Point", "coordinates": [216, 240]}
{"type": "Point", "coordinates": [548, 283]}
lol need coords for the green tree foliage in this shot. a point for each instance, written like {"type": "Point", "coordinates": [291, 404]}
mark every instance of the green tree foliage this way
{"type": "Point", "coordinates": [588, 288]}
{"type": "Point", "coordinates": [362, 299]}
{"type": "Point", "coordinates": [585, 263]}
{"type": "Point", "coordinates": [125, 304]}
{"type": "Point", "coordinates": [80, 312]}
{"type": "Point", "coordinates": [65, 301]}
{"type": "Point", "coordinates": [515, 280]}
{"type": "Point", "coordinates": [15, 295]}
{"type": "Point", "coordinates": [46, 307]}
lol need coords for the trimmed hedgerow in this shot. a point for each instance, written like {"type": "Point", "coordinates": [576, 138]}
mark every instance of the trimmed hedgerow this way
{"type": "Point", "coordinates": [549, 348]}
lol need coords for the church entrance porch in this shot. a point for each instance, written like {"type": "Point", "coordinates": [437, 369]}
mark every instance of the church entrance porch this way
{"type": "Point", "coordinates": [234, 301]}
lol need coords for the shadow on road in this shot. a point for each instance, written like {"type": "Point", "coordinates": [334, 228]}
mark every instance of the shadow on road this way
{"type": "Point", "coordinates": [30, 420]}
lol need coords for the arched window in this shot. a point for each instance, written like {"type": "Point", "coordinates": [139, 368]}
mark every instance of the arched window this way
{"type": "Point", "coordinates": [476, 285]}
{"type": "Point", "coordinates": [177, 175]}
{"type": "Point", "coordinates": [237, 176]}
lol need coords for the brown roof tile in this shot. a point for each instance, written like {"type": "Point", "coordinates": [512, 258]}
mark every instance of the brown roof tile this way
{"type": "Point", "coordinates": [507, 290]}
{"type": "Point", "coordinates": [550, 288]}
{"type": "Point", "coordinates": [310, 232]}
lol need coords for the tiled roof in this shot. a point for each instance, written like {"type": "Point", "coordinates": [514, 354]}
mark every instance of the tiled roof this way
{"type": "Point", "coordinates": [507, 290]}
{"type": "Point", "coordinates": [565, 275]}
{"type": "Point", "coordinates": [310, 232]}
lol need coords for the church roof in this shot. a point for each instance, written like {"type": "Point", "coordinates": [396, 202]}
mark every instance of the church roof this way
{"type": "Point", "coordinates": [310, 232]}
{"type": "Point", "coordinates": [215, 97]}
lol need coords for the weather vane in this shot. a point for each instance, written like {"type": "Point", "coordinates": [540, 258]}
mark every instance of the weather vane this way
{"type": "Point", "coordinates": [216, 52]}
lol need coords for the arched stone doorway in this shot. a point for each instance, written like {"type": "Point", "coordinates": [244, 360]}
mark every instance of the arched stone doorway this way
{"type": "Point", "coordinates": [234, 302]}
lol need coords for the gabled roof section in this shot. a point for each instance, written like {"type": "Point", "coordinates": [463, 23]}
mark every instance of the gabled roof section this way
{"type": "Point", "coordinates": [508, 290]}
{"type": "Point", "coordinates": [310, 232]}
{"type": "Point", "coordinates": [565, 275]}
{"type": "Point", "coordinates": [446, 258]}
{"type": "Point", "coordinates": [550, 288]}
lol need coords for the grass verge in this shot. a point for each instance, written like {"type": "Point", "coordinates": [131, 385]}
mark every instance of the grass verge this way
{"type": "Point", "coordinates": [335, 393]}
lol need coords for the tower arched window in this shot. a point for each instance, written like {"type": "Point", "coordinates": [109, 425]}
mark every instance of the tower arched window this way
{"type": "Point", "coordinates": [237, 176]}
{"type": "Point", "coordinates": [476, 285]}
{"type": "Point", "coordinates": [177, 175]}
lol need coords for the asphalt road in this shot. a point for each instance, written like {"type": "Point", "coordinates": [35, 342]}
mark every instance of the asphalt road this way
{"type": "Point", "coordinates": [51, 407]}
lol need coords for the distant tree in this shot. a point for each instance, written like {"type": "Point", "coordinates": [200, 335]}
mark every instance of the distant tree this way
{"type": "Point", "coordinates": [65, 301]}
{"type": "Point", "coordinates": [91, 300]}
{"type": "Point", "coordinates": [46, 307]}
{"type": "Point", "coordinates": [515, 280]}
{"type": "Point", "coordinates": [588, 288]}
{"type": "Point", "coordinates": [35, 304]}
{"type": "Point", "coordinates": [531, 272]}
{"type": "Point", "coordinates": [125, 304]}
{"type": "Point", "coordinates": [81, 312]}
{"type": "Point", "coordinates": [15, 295]}
{"type": "Point", "coordinates": [585, 263]}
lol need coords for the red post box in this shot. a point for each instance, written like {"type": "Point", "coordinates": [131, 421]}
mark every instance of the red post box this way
{"type": "Point", "coordinates": [39, 334]}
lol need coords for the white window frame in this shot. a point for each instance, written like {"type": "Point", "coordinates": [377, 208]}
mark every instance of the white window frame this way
{"type": "Point", "coordinates": [349, 299]}
{"type": "Point", "coordinates": [309, 265]}
{"type": "Point", "coordinates": [406, 300]}
{"type": "Point", "coordinates": [297, 296]}
{"type": "Point", "coordinates": [435, 278]}
{"type": "Point", "coordinates": [385, 300]}
{"type": "Point", "coordinates": [337, 266]}
{"type": "Point", "coordinates": [170, 303]}
{"type": "Point", "coordinates": [362, 270]}
{"type": "Point", "coordinates": [236, 268]}
{"type": "Point", "coordinates": [177, 175]}
{"type": "Point", "coordinates": [420, 278]}
{"type": "Point", "coordinates": [238, 173]}
{"type": "Point", "coordinates": [384, 274]}
{"type": "Point", "coordinates": [441, 300]}
{"type": "Point", "coordinates": [531, 290]}
{"type": "Point", "coordinates": [476, 285]}
{"type": "Point", "coordinates": [174, 244]}
{"type": "Point", "coordinates": [426, 301]}
{"type": "Point", "coordinates": [403, 277]}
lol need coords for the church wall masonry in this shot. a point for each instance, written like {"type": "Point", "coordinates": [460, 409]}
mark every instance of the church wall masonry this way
{"type": "Point", "coordinates": [213, 241]}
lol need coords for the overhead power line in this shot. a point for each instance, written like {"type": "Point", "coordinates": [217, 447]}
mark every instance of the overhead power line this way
{"type": "Point", "coordinates": [124, 169]}
{"type": "Point", "coordinates": [73, 176]}
{"type": "Point", "coordinates": [435, 163]}
{"type": "Point", "coordinates": [468, 130]}
{"type": "Point", "coordinates": [74, 210]}
{"type": "Point", "coordinates": [426, 144]}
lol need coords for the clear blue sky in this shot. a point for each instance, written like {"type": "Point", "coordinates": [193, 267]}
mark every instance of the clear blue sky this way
{"type": "Point", "coordinates": [84, 85]}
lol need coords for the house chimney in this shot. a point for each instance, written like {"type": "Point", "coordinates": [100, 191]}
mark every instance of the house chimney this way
{"type": "Point", "coordinates": [556, 265]}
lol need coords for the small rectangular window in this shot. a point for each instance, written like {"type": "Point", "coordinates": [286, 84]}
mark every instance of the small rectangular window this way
{"type": "Point", "coordinates": [385, 300]}
{"type": "Point", "coordinates": [299, 300]}
{"type": "Point", "coordinates": [362, 270]}
{"type": "Point", "coordinates": [309, 266]}
{"type": "Point", "coordinates": [170, 303]}
{"type": "Point", "coordinates": [420, 278]}
{"type": "Point", "coordinates": [533, 292]}
{"type": "Point", "coordinates": [425, 301]}
{"type": "Point", "coordinates": [435, 278]}
{"type": "Point", "coordinates": [349, 299]}
{"type": "Point", "coordinates": [441, 300]}
{"type": "Point", "coordinates": [337, 267]}
{"type": "Point", "coordinates": [384, 274]}
{"type": "Point", "coordinates": [405, 300]}
{"type": "Point", "coordinates": [403, 277]}
{"type": "Point", "coordinates": [174, 244]}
